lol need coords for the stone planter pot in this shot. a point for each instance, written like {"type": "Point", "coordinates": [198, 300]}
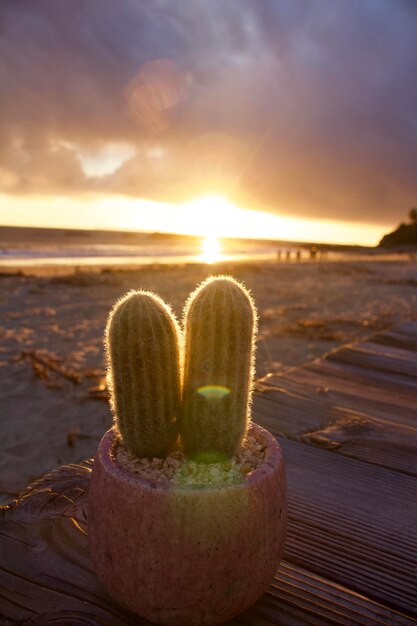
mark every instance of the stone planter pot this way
{"type": "Point", "coordinates": [186, 555]}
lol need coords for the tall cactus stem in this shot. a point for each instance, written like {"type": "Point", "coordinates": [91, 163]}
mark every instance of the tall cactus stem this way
{"type": "Point", "coordinates": [220, 323]}
{"type": "Point", "coordinates": [143, 371]}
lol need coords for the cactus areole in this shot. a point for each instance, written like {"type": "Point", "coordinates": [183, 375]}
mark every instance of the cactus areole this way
{"type": "Point", "coordinates": [173, 553]}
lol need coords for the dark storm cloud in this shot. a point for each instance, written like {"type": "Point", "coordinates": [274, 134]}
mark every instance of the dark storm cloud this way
{"type": "Point", "coordinates": [297, 106]}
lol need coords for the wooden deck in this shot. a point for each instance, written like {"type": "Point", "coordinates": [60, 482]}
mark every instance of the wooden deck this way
{"type": "Point", "coordinates": [348, 427]}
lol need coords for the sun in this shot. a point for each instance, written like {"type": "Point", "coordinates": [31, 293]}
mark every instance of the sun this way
{"type": "Point", "coordinates": [211, 216]}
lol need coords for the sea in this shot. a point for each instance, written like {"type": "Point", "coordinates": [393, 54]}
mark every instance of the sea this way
{"type": "Point", "coordinates": [56, 257]}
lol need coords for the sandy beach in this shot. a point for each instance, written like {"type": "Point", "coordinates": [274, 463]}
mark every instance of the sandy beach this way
{"type": "Point", "coordinates": [52, 388]}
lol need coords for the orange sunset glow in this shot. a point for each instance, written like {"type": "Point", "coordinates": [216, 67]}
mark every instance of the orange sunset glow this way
{"type": "Point", "coordinates": [192, 136]}
{"type": "Point", "coordinates": [225, 124]}
{"type": "Point", "coordinates": [206, 216]}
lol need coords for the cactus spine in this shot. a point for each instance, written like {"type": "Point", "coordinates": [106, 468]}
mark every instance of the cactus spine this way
{"type": "Point", "coordinates": [143, 353]}
{"type": "Point", "coordinates": [220, 322]}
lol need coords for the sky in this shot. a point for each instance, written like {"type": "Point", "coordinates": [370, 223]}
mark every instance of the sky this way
{"type": "Point", "coordinates": [305, 112]}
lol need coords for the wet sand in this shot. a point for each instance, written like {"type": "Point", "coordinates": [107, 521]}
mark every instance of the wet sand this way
{"type": "Point", "coordinates": [52, 394]}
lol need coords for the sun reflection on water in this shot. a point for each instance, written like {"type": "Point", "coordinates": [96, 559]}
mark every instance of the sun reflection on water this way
{"type": "Point", "coordinates": [210, 250]}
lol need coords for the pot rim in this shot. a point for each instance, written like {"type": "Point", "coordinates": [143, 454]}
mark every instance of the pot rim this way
{"type": "Point", "coordinates": [107, 458]}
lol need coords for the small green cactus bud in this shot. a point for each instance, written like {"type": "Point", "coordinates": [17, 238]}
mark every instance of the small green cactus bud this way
{"type": "Point", "coordinates": [220, 321]}
{"type": "Point", "coordinates": [143, 352]}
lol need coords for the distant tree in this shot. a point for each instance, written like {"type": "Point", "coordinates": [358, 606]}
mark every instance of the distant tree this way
{"type": "Point", "coordinates": [413, 215]}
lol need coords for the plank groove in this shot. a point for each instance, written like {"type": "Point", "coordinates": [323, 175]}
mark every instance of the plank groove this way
{"type": "Point", "coordinates": [408, 328]}
{"type": "Point", "coordinates": [375, 441]}
{"type": "Point", "coordinates": [377, 379]}
{"type": "Point", "coordinates": [353, 523]}
{"type": "Point", "coordinates": [393, 353]}
{"type": "Point", "coordinates": [396, 340]}
{"type": "Point", "coordinates": [322, 393]}
{"type": "Point", "coordinates": [398, 369]}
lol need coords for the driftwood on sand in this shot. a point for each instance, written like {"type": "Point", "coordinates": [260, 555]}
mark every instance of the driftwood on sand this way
{"type": "Point", "coordinates": [347, 425]}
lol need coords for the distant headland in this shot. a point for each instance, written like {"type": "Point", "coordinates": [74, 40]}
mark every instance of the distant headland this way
{"type": "Point", "coordinates": [403, 235]}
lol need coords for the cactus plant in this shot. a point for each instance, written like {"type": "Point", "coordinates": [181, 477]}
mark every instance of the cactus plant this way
{"type": "Point", "coordinates": [143, 354]}
{"type": "Point", "coordinates": [220, 322]}
{"type": "Point", "coordinates": [149, 566]}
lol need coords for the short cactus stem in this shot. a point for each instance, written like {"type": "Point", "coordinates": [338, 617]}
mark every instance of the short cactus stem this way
{"type": "Point", "coordinates": [220, 322]}
{"type": "Point", "coordinates": [143, 352]}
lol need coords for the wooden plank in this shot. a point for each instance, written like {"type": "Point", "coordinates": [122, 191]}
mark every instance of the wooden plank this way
{"type": "Point", "coordinates": [408, 328]}
{"type": "Point", "coordinates": [321, 393]}
{"type": "Point", "coordinates": [330, 375]}
{"type": "Point", "coordinates": [359, 400]}
{"type": "Point", "coordinates": [329, 602]}
{"type": "Point", "coordinates": [298, 597]}
{"type": "Point", "coordinates": [390, 352]}
{"type": "Point", "coordinates": [46, 576]}
{"type": "Point", "coordinates": [365, 358]}
{"type": "Point", "coordinates": [370, 440]}
{"type": "Point", "coordinates": [362, 382]}
{"type": "Point", "coordinates": [396, 340]}
{"type": "Point", "coordinates": [375, 345]}
{"type": "Point", "coordinates": [353, 523]}
{"type": "Point", "coordinates": [45, 570]}
{"type": "Point", "coordinates": [291, 416]}
{"type": "Point", "coordinates": [316, 420]}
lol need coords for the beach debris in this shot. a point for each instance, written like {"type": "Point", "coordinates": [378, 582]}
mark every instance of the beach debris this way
{"type": "Point", "coordinates": [45, 364]}
{"type": "Point", "coordinates": [44, 311]}
{"type": "Point", "coordinates": [313, 324]}
{"type": "Point", "coordinates": [259, 386]}
{"type": "Point", "coordinates": [93, 372]}
{"type": "Point", "coordinates": [99, 391]}
{"type": "Point", "coordinates": [74, 435]}
{"type": "Point", "coordinates": [77, 279]}
{"type": "Point", "coordinates": [143, 350]}
{"type": "Point", "coordinates": [220, 321]}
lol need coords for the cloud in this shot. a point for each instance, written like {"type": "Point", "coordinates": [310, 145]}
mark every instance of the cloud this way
{"type": "Point", "coordinates": [290, 107]}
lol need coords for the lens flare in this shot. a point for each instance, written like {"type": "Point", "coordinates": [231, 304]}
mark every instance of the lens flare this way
{"type": "Point", "coordinates": [153, 91]}
{"type": "Point", "coordinates": [213, 392]}
{"type": "Point", "coordinates": [209, 456]}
